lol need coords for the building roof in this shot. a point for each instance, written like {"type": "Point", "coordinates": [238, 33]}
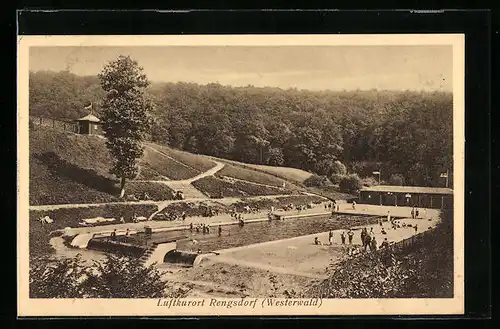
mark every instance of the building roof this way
{"type": "Point", "coordinates": [89, 117]}
{"type": "Point", "coordinates": [408, 189]}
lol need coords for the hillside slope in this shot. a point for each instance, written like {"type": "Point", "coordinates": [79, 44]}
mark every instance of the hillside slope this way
{"type": "Point", "coordinates": [71, 168]}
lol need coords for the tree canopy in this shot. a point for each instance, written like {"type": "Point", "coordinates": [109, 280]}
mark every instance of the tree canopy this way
{"type": "Point", "coordinates": [125, 115]}
{"type": "Point", "coordinates": [406, 133]}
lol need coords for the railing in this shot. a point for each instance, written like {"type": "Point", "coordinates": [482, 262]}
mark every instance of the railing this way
{"type": "Point", "coordinates": [54, 123]}
{"type": "Point", "coordinates": [407, 245]}
{"type": "Point", "coordinates": [416, 241]}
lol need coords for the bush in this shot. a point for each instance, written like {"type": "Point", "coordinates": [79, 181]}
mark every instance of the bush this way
{"type": "Point", "coordinates": [317, 181]}
{"type": "Point", "coordinates": [369, 181]}
{"type": "Point", "coordinates": [335, 178]}
{"type": "Point", "coordinates": [339, 168]}
{"type": "Point", "coordinates": [350, 184]}
{"type": "Point", "coordinates": [115, 277]}
{"type": "Point", "coordinates": [397, 180]}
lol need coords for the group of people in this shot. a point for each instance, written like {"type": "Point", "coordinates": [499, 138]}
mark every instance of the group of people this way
{"type": "Point", "coordinates": [368, 239]}
{"type": "Point", "coordinates": [333, 206]}
{"type": "Point", "coordinates": [204, 228]}
{"type": "Point", "coordinates": [343, 237]}
{"type": "Point", "coordinates": [414, 212]}
{"type": "Point", "coordinates": [237, 216]}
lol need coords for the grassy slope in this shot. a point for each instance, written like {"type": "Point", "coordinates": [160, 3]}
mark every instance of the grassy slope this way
{"type": "Point", "coordinates": [71, 168]}
{"type": "Point", "coordinates": [275, 175]}
{"type": "Point", "coordinates": [290, 174]}
{"type": "Point", "coordinates": [214, 186]}
{"type": "Point", "coordinates": [195, 161]}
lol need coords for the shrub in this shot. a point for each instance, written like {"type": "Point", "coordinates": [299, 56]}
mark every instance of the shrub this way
{"type": "Point", "coordinates": [317, 181]}
{"type": "Point", "coordinates": [335, 178]}
{"type": "Point", "coordinates": [397, 180]}
{"type": "Point", "coordinates": [350, 184]}
{"type": "Point", "coordinates": [339, 168]}
{"type": "Point", "coordinates": [115, 277]}
{"type": "Point", "coordinates": [369, 181]}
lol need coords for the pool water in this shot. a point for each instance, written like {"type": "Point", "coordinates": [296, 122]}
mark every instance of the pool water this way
{"type": "Point", "coordinates": [236, 236]}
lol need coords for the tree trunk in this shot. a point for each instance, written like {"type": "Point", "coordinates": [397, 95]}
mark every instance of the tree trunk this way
{"type": "Point", "coordinates": [122, 187]}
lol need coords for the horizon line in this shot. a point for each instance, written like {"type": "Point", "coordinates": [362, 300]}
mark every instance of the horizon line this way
{"type": "Point", "coordinates": [262, 87]}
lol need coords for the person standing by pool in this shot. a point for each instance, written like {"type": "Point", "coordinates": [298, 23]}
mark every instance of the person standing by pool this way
{"type": "Point", "coordinates": [342, 237]}
{"type": "Point", "coordinates": [350, 234]}
{"type": "Point", "coordinates": [363, 236]}
{"type": "Point", "coordinates": [354, 205]}
{"type": "Point", "coordinates": [416, 228]}
{"type": "Point", "coordinates": [416, 213]}
{"type": "Point", "coordinates": [413, 212]}
{"type": "Point", "coordinates": [373, 244]}
{"type": "Point", "coordinates": [368, 239]}
{"type": "Point", "coordinates": [330, 237]}
{"type": "Point", "coordinates": [388, 217]}
{"type": "Point", "coordinates": [220, 230]}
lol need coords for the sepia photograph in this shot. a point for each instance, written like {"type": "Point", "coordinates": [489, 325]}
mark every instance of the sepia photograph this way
{"type": "Point", "coordinates": [241, 175]}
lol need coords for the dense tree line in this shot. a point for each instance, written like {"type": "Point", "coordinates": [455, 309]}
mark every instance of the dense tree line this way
{"type": "Point", "coordinates": [408, 134]}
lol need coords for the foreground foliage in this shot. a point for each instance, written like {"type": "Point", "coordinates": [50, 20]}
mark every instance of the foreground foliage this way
{"type": "Point", "coordinates": [115, 277]}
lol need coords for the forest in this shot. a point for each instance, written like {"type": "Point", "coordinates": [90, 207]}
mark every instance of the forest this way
{"type": "Point", "coordinates": [405, 134]}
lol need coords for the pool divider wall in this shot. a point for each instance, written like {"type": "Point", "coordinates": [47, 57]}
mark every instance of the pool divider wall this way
{"type": "Point", "coordinates": [159, 252]}
{"type": "Point", "coordinates": [113, 246]}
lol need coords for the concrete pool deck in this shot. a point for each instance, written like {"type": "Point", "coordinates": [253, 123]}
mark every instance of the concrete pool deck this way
{"type": "Point", "coordinates": [300, 256]}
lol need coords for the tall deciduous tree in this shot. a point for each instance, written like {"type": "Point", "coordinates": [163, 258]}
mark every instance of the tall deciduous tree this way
{"type": "Point", "coordinates": [126, 120]}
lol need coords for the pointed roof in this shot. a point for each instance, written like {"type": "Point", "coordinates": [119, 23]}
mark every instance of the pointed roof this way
{"type": "Point", "coordinates": [89, 117]}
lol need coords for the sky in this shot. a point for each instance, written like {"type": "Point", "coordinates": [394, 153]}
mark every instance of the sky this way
{"type": "Point", "coordinates": [302, 67]}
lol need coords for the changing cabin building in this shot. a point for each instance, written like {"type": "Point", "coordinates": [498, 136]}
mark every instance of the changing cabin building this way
{"type": "Point", "coordinates": [89, 125]}
{"type": "Point", "coordinates": [407, 196]}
